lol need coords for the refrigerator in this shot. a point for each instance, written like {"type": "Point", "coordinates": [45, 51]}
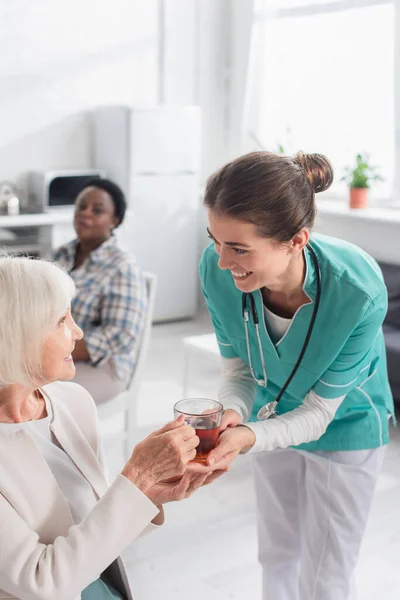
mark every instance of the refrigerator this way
{"type": "Point", "coordinates": [154, 154]}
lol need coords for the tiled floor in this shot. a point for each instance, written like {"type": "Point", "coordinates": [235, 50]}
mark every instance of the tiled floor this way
{"type": "Point", "coordinates": [207, 547]}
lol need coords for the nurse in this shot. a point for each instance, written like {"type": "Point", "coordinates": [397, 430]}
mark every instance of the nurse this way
{"type": "Point", "coordinates": [304, 381]}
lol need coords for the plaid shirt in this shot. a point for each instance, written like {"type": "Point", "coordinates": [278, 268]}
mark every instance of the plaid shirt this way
{"type": "Point", "coordinates": [109, 305]}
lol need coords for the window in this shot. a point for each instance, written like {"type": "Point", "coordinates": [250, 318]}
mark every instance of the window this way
{"type": "Point", "coordinates": [274, 5]}
{"type": "Point", "coordinates": [326, 83]}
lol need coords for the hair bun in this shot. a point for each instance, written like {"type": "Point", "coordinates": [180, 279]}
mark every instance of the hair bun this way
{"type": "Point", "coordinates": [318, 170]}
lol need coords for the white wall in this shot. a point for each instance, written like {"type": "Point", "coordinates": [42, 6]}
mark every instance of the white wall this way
{"type": "Point", "coordinates": [194, 67]}
{"type": "Point", "coordinates": [241, 19]}
{"type": "Point", "coordinates": [179, 51]}
{"type": "Point", "coordinates": [213, 80]}
{"type": "Point", "coordinates": [60, 59]}
{"type": "Point", "coordinates": [224, 40]}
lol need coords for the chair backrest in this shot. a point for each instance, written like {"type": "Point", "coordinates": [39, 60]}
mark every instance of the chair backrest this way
{"type": "Point", "coordinates": [143, 346]}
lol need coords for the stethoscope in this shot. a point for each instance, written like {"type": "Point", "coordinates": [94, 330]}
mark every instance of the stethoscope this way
{"type": "Point", "coordinates": [268, 411]}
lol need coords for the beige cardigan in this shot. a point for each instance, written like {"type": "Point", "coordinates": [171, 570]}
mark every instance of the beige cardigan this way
{"type": "Point", "coordinates": [43, 555]}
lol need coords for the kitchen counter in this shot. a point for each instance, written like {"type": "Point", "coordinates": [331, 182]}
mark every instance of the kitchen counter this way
{"type": "Point", "coordinates": [54, 217]}
{"type": "Point", "coordinates": [42, 232]}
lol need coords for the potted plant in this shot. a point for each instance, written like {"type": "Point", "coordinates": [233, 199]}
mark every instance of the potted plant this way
{"type": "Point", "coordinates": [359, 178]}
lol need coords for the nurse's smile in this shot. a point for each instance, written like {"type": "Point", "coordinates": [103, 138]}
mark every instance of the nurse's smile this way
{"type": "Point", "coordinates": [241, 276]}
{"type": "Point", "coordinates": [256, 262]}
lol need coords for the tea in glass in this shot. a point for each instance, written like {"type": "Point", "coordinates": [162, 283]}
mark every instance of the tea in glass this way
{"type": "Point", "coordinates": [205, 416]}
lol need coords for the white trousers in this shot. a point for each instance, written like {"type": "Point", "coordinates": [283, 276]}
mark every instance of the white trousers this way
{"type": "Point", "coordinates": [312, 513]}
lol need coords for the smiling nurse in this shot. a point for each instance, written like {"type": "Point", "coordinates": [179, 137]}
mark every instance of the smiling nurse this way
{"type": "Point", "coordinates": [298, 321]}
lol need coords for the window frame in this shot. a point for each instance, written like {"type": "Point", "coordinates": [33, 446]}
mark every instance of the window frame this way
{"type": "Point", "coordinates": [262, 13]}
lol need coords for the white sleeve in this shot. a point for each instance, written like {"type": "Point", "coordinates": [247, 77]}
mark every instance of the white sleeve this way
{"type": "Point", "coordinates": [303, 424]}
{"type": "Point", "coordinates": [237, 388]}
{"type": "Point", "coordinates": [33, 570]}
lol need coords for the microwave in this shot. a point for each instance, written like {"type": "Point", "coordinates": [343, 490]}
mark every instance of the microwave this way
{"type": "Point", "coordinates": [57, 189]}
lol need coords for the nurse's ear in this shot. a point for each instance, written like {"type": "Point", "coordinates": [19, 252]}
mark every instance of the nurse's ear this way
{"type": "Point", "coordinates": [299, 240]}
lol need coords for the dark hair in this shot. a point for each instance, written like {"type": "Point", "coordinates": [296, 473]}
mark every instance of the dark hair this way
{"type": "Point", "coordinates": [276, 193]}
{"type": "Point", "coordinates": [117, 195]}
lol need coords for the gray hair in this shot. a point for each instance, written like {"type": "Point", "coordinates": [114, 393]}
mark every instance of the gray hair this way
{"type": "Point", "coordinates": [34, 294]}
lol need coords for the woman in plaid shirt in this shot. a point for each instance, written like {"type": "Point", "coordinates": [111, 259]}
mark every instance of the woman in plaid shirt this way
{"type": "Point", "coordinates": [111, 297]}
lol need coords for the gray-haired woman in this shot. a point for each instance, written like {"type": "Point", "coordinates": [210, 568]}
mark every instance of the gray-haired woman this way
{"type": "Point", "coordinates": [63, 528]}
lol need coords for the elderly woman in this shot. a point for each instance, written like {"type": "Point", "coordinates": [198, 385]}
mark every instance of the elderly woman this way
{"type": "Point", "coordinates": [62, 527]}
{"type": "Point", "coordinates": [111, 294]}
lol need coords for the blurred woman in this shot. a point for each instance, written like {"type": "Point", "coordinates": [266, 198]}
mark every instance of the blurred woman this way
{"type": "Point", "coordinates": [111, 298]}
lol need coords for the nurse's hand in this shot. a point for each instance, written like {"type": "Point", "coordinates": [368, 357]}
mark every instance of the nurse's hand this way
{"type": "Point", "coordinates": [230, 418]}
{"type": "Point", "coordinates": [231, 442]}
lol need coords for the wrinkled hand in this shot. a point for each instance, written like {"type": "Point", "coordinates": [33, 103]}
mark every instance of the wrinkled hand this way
{"type": "Point", "coordinates": [183, 488]}
{"type": "Point", "coordinates": [230, 418]}
{"type": "Point", "coordinates": [230, 443]}
{"type": "Point", "coordinates": [210, 473]}
{"type": "Point", "coordinates": [162, 455]}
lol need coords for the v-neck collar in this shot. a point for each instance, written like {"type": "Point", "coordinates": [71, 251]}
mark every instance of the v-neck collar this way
{"type": "Point", "coordinates": [309, 287]}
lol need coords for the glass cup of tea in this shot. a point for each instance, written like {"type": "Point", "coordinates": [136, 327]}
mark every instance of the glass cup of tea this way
{"type": "Point", "coordinates": [205, 416]}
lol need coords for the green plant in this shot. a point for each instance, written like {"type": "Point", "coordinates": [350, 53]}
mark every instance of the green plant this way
{"type": "Point", "coordinates": [362, 174]}
{"type": "Point", "coordinates": [284, 145]}
{"type": "Point", "coordinates": [280, 149]}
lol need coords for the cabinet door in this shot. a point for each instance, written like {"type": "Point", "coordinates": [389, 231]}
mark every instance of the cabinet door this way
{"type": "Point", "coordinates": [161, 231]}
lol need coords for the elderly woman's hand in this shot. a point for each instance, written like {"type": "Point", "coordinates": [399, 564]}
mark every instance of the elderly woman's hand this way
{"type": "Point", "coordinates": [196, 476]}
{"type": "Point", "coordinates": [180, 488]}
{"type": "Point", "coordinates": [162, 455]}
{"type": "Point", "coordinates": [210, 473]}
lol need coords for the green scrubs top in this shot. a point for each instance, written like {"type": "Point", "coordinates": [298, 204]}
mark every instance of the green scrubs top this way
{"type": "Point", "coordinates": [346, 353]}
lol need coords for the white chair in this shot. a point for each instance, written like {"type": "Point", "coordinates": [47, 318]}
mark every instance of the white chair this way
{"type": "Point", "coordinates": [127, 401]}
{"type": "Point", "coordinates": [198, 344]}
